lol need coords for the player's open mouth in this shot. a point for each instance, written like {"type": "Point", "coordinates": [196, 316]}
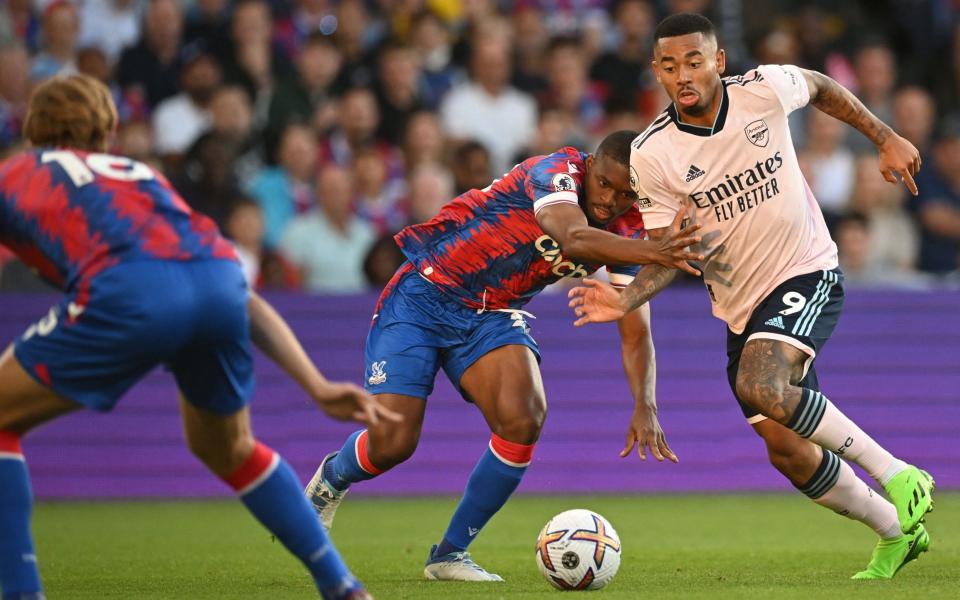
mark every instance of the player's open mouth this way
{"type": "Point", "coordinates": [688, 97]}
{"type": "Point", "coordinates": [601, 214]}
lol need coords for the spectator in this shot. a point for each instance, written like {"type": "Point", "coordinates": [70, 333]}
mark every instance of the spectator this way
{"type": "Point", "coordinates": [554, 130]}
{"type": "Point", "coordinates": [249, 57]}
{"type": "Point", "coordinates": [876, 69]}
{"type": "Point", "coordinates": [398, 90]}
{"type": "Point", "coordinates": [329, 243]}
{"type": "Point", "coordinates": [568, 88]}
{"type": "Point", "coordinates": [855, 243]}
{"type": "Point", "coordinates": [135, 140]}
{"type": "Point", "coordinates": [14, 77]}
{"type": "Point", "coordinates": [60, 27]}
{"type": "Point", "coordinates": [93, 62]}
{"type": "Point", "coordinates": [620, 71]}
{"type": "Point", "coordinates": [19, 22]}
{"type": "Point", "coordinates": [831, 164]}
{"type": "Point", "coordinates": [179, 120]}
{"type": "Point", "coordinates": [109, 25]}
{"type": "Point", "coordinates": [430, 187]}
{"type": "Point", "coordinates": [149, 69]}
{"type": "Point", "coordinates": [356, 39]}
{"type": "Point", "coordinates": [232, 116]}
{"type": "Point", "coordinates": [471, 167]}
{"type": "Point", "coordinates": [432, 42]}
{"type": "Point", "coordinates": [914, 114]}
{"type": "Point", "coordinates": [206, 179]}
{"type": "Point", "coordinates": [423, 141]}
{"type": "Point", "coordinates": [357, 121]}
{"type": "Point", "coordinates": [307, 90]}
{"type": "Point", "coordinates": [892, 233]}
{"type": "Point", "coordinates": [286, 190]}
{"type": "Point", "coordinates": [244, 226]}
{"type": "Point", "coordinates": [530, 41]}
{"type": "Point", "coordinates": [487, 108]}
{"type": "Point", "coordinates": [938, 205]}
{"type": "Point", "coordinates": [207, 21]}
{"type": "Point", "coordinates": [382, 261]}
{"type": "Point", "coordinates": [378, 197]}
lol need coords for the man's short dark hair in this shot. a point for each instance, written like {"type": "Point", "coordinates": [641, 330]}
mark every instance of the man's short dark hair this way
{"type": "Point", "coordinates": [684, 24]}
{"type": "Point", "coordinates": [616, 146]}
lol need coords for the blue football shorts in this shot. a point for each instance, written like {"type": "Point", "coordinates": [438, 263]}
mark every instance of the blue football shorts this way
{"type": "Point", "coordinates": [188, 316]}
{"type": "Point", "coordinates": [419, 329]}
{"type": "Point", "coordinates": [803, 312]}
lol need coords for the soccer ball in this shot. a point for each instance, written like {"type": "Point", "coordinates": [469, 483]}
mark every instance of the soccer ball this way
{"type": "Point", "coordinates": [578, 550]}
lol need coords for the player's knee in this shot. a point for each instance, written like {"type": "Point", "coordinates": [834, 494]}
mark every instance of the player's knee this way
{"type": "Point", "coordinates": [388, 452]}
{"type": "Point", "coordinates": [223, 458]}
{"type": "Point", "coordinates": [759, 394]}
{"type": "Point", "coordinates": [787, 454]}
{"type": "Point", "coordinates": [524, 428]}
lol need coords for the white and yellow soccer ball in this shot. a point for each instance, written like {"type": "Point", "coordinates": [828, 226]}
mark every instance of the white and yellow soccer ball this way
{"type": "Point", "coordinates": [578, 550]}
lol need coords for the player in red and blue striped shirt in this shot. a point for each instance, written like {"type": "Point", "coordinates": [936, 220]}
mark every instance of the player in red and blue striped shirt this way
{"type": "Point", "coordinates": [457, 304]}
{"type": "Point", "coordinates": [146, 281]}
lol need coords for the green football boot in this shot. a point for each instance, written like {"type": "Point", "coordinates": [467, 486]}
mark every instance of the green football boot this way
{"type": "Point", "coordinates": [911, 491]}
{"type": "Point", "coordinates": [890, 555]}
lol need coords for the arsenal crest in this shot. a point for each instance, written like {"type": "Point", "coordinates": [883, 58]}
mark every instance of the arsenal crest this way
{"type": "Point", "coordinates": [758, 133]}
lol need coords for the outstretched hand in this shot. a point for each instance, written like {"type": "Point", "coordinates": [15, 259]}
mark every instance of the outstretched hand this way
{"type": "Point", "coordinates": [899, 157]}
{"type": "Point", "coordinates": [346, 401]}
{"type": "Point", "coordinates": [595, 302]}
{"type": "Point", "coordinates": [673, 245]}
{"type": "Point", "coordinates": [645, 432]}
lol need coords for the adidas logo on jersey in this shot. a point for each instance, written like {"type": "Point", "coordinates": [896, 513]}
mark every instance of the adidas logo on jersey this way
{"type": "Point", "coordinates": [694, 172]}
{"type": "Point", "coordinates": [775, 322]}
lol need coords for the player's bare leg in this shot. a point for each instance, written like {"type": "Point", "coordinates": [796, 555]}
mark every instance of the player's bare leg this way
{"type": "Point", "coordinates": [366, 454]}
{"type": "Point", "coordinates": [24, 404]}
{"type": "Point", "coordinates": [769, 371]}
{"type": "Point", "coordinates": [505, 385]}
{"type": "Point", "coordinates": [270, 490]}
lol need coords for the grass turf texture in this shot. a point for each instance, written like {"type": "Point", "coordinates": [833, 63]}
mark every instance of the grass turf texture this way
{"type": "Point", "coordinates": [750, 546]}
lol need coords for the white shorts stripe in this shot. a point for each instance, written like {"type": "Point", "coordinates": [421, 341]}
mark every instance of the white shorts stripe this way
{"type": "Point", "coordinates": [809, 306]}
{"type": "Point", "coordinates": [823, 302]}
{"type": "Point", "coordinates": [11, 456]}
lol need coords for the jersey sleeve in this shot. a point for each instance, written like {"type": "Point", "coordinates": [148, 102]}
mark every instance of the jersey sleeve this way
{"type": "Point", "coordinates": [789, 85]}
{"type": "Point", "coordinates": [655, 201]}
{"type": "Point", "coordinates": [554, 180]}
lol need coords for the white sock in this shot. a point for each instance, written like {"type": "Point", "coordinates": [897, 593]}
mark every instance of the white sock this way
{"type": "Point", "coordinates": [819, 420]}
{"type": "Point", "coordinates": [853, 498]}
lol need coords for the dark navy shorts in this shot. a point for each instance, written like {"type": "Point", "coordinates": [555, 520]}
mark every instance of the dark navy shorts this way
{"type": "Point", "coordinates": [803, 312]}
{"type": "Point", "coordinates": [419, 329]}
{"type": "Point", "coordinates": [189, 316]}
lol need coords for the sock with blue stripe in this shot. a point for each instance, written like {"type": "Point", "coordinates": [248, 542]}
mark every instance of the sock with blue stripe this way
{"type": "Point", "coordinates": [834, 485]}
{"type": "Point", "coordinates": [493, 480]}
{"type": "Point", "coordinates": [19, 576]}
{"type": "Point", "coordinates": [351, 463]}
{"type": "Point", "coordinates": [270, 490]}
{"type": "Point", "coordinates": [819, 420]}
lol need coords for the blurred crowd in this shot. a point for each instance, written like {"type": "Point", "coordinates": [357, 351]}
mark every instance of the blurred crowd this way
{"type": "Point", "coordinates": [312, 130]}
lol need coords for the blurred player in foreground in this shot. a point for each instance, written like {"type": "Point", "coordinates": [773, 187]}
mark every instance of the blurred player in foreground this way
{"type": "Point", "coordinates": [146, 281]}
{"type": "Point", "coordinates": [457, 304]}
{"type": "Point", "coordinates": [722, 151]}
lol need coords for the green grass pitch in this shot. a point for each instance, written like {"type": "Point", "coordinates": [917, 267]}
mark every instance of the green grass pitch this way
{"type": "Point", "coordinates": [696, 546]}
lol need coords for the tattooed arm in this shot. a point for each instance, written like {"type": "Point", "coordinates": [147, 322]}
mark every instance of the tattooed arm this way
{"type": "Point", "coordinates": [897, 155]}
{"type": "Point", "coordinates": [598, 302]}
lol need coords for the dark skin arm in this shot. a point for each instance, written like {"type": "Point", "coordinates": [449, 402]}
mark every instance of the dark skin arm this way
{"type": "Point", "coordinates": [640, 367]}
{"type": "Point", "coordinates": [567, 224]}
{"type": "Point", "coordinates": [598, 302]}
{"type": "Point", "coordinates": [897, 155]}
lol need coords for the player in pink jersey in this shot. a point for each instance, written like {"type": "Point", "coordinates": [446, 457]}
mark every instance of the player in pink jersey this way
{"type": "Point", "coordinates": [722, 150]}
{"type": "Point", "coordinates": [458, 304]}
{"type": "Point", "coordinates": [146, 281]}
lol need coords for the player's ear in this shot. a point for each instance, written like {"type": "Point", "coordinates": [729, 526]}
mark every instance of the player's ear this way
{"type": "Point", "coordinates": [589, 161]}
{"type": "Point", "coordinates": [721, 61]}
